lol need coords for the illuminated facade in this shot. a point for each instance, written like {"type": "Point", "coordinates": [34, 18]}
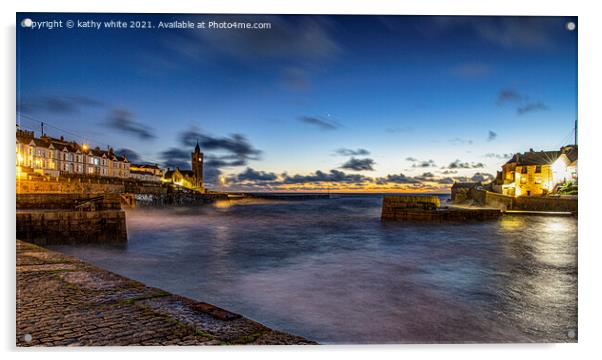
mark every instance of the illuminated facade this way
{"type": "Point", "coordinates": [46, 156]}
{"type": "Point", "coordinates": [538, 172]}
{"type": "Point", "coordinates": [145, 172]}
{"type": "Point", "coordinates": [188, 179]}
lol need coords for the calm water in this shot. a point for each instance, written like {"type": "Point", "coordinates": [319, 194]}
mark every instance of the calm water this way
{"type": "Point", "coordinates": [329, 270]}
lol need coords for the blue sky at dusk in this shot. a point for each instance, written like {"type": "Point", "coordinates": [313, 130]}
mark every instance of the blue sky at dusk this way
{"type": "Point", "coordinates": [357, 103]}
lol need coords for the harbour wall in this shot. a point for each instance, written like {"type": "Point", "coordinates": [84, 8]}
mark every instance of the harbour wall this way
{"type": "Point", "coordinates": [57, 227]}
{"type": "Point", "coordinates": [132, 192]}
{"type": "Point", "coordinates": [525, 203]}
{"type": "Point", "coordinates": [427, 208]}
{"type": "Point", "coordinates": [45, 219]}
{"type": "Point", "coordinates": [81, 184]}
{"type": "Point", "coordinates": [73, 186]}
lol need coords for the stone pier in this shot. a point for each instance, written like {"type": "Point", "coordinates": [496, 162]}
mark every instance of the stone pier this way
{"type": "Point", "coordinates": [427, 208]}
{"type": "Point", "coordinates": [46, 219]}
{"type": "Point", "coordinates": [62, 301]}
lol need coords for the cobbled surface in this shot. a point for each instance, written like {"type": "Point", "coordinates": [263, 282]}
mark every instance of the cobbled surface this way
{"type": "Point", "coordinates": [62, 301]}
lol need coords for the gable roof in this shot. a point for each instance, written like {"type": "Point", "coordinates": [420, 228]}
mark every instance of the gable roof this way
{"type": "Point", "coordinates": [543, 157]}
{"type": "Point", "coordinates": [535, 158]}
{"type": "Point", "coordinates": [465, 185]}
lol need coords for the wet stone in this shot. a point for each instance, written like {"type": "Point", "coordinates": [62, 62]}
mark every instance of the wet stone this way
{"type": "Point", "coordinates": [62, 301]}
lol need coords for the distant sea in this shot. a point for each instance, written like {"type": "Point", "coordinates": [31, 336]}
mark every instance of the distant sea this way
{"type": "Point", "coordinates": [331, 271]}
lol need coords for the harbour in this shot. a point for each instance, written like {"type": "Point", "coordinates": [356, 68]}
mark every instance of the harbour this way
{"type": "Point", "coordinates": [331, 271]}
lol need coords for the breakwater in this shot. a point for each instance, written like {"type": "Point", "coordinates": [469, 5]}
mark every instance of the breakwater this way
{"type": "Point", "coordinates": [62, 301]}
{"type": "Point", "coordinates": [280, 196]}
{"type": "Point", "coordinates": [427, 208]}
{"type": "Point", "coordinates": [46, 219]}
{"type": "Point", "coordinates": [176, 198]}
{"type": "Point", "coordinates": [524, 203]}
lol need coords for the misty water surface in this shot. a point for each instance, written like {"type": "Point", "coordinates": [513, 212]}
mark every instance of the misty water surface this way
{"type": "Point", "coordinates": [331, 271]}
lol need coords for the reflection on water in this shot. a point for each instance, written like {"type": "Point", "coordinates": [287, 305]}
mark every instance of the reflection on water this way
{"type": "Point", "coordinates": [329, 270]}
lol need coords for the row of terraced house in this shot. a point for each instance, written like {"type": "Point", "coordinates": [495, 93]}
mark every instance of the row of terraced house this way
{"type": "Point", "coordinates": [47, 156]}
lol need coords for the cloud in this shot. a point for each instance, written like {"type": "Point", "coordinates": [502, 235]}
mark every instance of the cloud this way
{"type": "Point", "coordinates": [481, 177]}
{"type": "Point", "coordinates": [57, 104]}
{"type": "Point", "coordinates": [472, 70]}
{"type": "Point", "coordinates": [219, 152]}
{"type": "Point", "coordinates": [446, 180]}
{"type": "Point", "coordinates": [448, 172]}
{"type": "Point", "coordinates": [253, 176]}
{"type": "Point", "coordinates": [503, 31]}
{"type": "Point", "coordinates": [508, 95]}
{"type": "Point", "coordinates": [460, 141]}
{"type": "Point", "coordinates": [457, 164]}
{"type": "Point", "coordinates": [232, 150]}
{"type": "Point", "coordinates": [176, 158]}
{"type": "Point", "coordinates": [421, 164]}
{"type": "Point", "coordinates": [517, 31]}
{"type": "Point", "coordinates": [293, 39]}
{"type": "Point", "coordinates": [531, 107]}
{"type": "Point", "coordinates": [499, 156]}
{"type": "Point", "coordinates": [123, 120]}
{"type": "Point", "coordinates": [492, 135]}
{"type": "Point", "coordinates": [352, 152]}
{"type": "Point", "coordinates": [522, 102]}
{"type": "Point", "coordinates": [251, 179]}
{"type": "Point", "coordinates": [331, 176]}
{"type": "Point", "coordinates": [322, 123]}
{"type": "Point", "coordinates": [427, 176]}
{"type": "Point", "coordinates": [396, 179]}
{"type": "Point", "coordinates": [130, 154]}
{"type": "Point", "coordinates": [359, 164]}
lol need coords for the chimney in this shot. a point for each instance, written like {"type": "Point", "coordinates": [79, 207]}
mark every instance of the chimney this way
{"type": "Point", "coordinates": [530, 149]}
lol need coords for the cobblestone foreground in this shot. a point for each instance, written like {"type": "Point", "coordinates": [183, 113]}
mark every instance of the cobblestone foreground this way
{"type": "Point", "coordinates": [62, 301]}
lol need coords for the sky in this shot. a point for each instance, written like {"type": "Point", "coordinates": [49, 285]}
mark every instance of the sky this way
{"type": "Point", "coordinates": [314, 103]}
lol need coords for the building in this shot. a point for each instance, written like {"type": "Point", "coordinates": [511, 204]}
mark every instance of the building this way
{"type": "Point", "coordinates": [146, 172]}
{"type": "Point", "coordinates": [188, 179]}
{"type": "Point", "coordinates": [538, 172]}
{"type": "Point", "coordinates": [47, 156]}
{"type": "Point", "coordinates": [460, 191]}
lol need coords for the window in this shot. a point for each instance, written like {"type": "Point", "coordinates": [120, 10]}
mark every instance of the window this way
{"type": "Point", "coordinates": [538, 169]}
{"type": "Point", "coordinates": [523, 170]}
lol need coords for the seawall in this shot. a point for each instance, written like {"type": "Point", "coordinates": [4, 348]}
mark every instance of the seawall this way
{"type": "Point", "coordinates": [427, 208]}
{"type": "Point", "coordinates": [524, 203]}
{"type": "Point", "coordinates": [45, 219]}
{"type": "Point", "coordinates": [62, 301]}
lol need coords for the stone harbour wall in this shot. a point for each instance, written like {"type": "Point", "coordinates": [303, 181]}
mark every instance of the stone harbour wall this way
{"type": "Point", "coordinates": [45, 227]}
{"type": "Point", "coordinates": [426, 208]}
{"type": "Point", "coordinates": [547, 203]}
{"type": "Point", "coordinates": [525, 203]}
{"type": "Point", "coordinates": [74, 186]}
{"type": "Point", "coordinates": [393, 205]}
{"type": "Point", "coordinates": [69, 201]}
